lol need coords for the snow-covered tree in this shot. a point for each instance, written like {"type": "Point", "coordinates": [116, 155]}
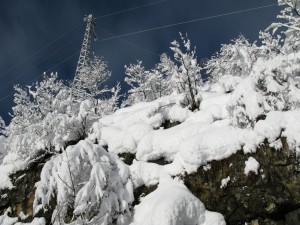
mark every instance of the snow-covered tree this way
{"type": "Point", "coordinates": [181, 75]}
{"type": "Point", "coordinates": [289, 25]}
{"type": "Point", "coordinates": [2, 126]}
{"type": "Point", "coordinates": [271, 44]}
{"type": "Point", "coordinates": [33, 103]}
{"type": "Point", "coordinates": [24, 111]}
{"type": "Point", "coordinates": [148, 85]}
{"type": "Point", "coordinates": [186, 70]}
{"type": "Point", "coordinates": [273, 85]}
{"type": "Point", "coordinates": [167, 68]}
{"type": "Point", "coordinates": [90, 85]}
{"type": "Point", "coordinates": [90, 81]}
{"type": "Point", "coordinates": [90, 186]}
{"type": "Point", "coordinates": [235, 59]}
{"type": "Point", "coordinates": [137, 79]}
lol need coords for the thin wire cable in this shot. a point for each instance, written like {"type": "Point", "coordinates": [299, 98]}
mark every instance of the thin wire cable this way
{"type": "Point", "coordinates": [30, 68]}
{"type": "Point", "coordinates": [189, 21]}
{"type": "Point", "coordinates": [34, 79]}
{"type": "Point", "coordinates": [129, 43]}
{"type": "Point", "coordinates": [130, 9]}
{"type": "Point", "coordinates": [71, 29]}
{"type": "Point", "coordinates": [40, 50]}
{"type": "Point", "coordinates": [165, 26]}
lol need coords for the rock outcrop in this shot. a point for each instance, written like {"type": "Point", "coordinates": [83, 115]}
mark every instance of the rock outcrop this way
{"type": "Point", "coordinates": [20, 198]}
{"type": "Point", "coordinates": [269, 197]}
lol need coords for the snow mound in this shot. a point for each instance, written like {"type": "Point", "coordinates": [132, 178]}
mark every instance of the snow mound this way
{"type": "Point", "coordinates": [144, 173]}
{"type": "Point", "coordinates": [123, 130]}
{"type": "Point", "coordinates": [173, 204]}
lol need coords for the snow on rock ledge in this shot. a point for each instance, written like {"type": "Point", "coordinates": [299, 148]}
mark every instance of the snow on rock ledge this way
{"type": "Point", "coordinates": [173, 204]}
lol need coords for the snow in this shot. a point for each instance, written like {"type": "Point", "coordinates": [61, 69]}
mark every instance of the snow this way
{"type": "Point", "coordinates": [36, 221]}
{"type": "Point", "coordinates": [246, 102]}
{"type": "Point", "coordinates": [214, 144]}
{"type": "Point", "coordinates": [148, 112]}
{"type": "Point", "coordinates": [178, 114]}
{"type": "Point", "coordinates": [202, 136]}
{"type": "Point", "coordinates": [226, 83]}
{"type": "Point", "coordinates": [224, 182]}
{"type": "Point", "coordinates": [173, 204]}
{"type": "Point", "coordinates": [10, 164]}
{"type": "Point", "coordinates": [144, 173]}
{"type": "Point", "coordinates": [278, 123]}
{"type": "Point", "coordinates": [2, 150]}
{"type": "Point", "coordinates": [98, 181]}
{"type": "Point", "coordinates": [251, 165]}
{"type": "Point", "coordinates": [6, 220]}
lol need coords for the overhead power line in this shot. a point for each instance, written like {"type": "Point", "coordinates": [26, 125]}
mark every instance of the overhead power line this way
{"type": "Point", "coordinates": [40, 50]}
{"type": "Point", "coordinates": [158, 28]}
{"type": "Point", "coordinates": [130, 9]}
{"type": "Point", "coordinates": [128, 43]}
{"type": "Point", "coordinates": [44, 60]}
{"type": "Point", "coordinates": [70, 30]}
{"type": "Point", "coordinates": [34, 79]}
{"type": "Point", "coordinates": [189, 21]}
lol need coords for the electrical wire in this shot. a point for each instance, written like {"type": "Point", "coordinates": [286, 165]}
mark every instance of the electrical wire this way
{"type": "Point", "coordinates": [40, 50]}
{"type": "Point", "coordinates": [34, 79]}
{"type": "Point", "coordinates": [130, 9]}
{"type": "Point", "coordinates": [68, 31]}
{"type": "Point", "coordinates": [189, 21]}
{"type": "Point", "coordinates": [129, 43]}
{"type": "Point", "coordinates": [33, 66]}
{"type": "Point", "coordinates": [162, 27]}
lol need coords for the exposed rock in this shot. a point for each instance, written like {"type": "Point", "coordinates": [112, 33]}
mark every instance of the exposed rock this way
{"type": "Point", "coordinates": [293, 218]}
{"type": "Point", "coordinates": [127, 158]}
{"type": "Point", "coordinates": [168, 124]}
{"type": "Point", "coordinates": [142, 191]}
{"type": "Point", "coordinates": [21, 197]}
{"type": "Point", "coordinates": [265, 198]}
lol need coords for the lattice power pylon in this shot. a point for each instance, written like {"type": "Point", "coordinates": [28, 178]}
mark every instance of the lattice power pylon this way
{"type": "Point", "coordinates": [86, 45]}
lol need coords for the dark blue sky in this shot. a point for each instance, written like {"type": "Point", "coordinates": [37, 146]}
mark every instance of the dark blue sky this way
{"type": "Point", "coordinates": [28, 28]}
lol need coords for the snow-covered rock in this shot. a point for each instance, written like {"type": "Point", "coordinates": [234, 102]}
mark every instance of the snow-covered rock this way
{"type": "Point", "coordinates": [173, 204]}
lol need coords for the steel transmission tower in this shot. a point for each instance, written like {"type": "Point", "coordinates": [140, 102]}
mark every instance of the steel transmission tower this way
{"type": "Point", "coordinates": [86, 45]}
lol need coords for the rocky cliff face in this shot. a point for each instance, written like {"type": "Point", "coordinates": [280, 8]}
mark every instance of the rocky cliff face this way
{"type": "Point", "coordinates": [270, 197]}
{"type": "Point", "coordinates": [20, 198]}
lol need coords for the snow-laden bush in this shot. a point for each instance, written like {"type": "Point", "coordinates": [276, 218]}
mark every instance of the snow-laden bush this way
{"type": "Point", "coordinates": [287, 27]}
{"type": "Point", "coordinates": [87, 181]}
{"type": "Point", "coordinates": [234, 59]}
{"type": "Point", "coordinates": [273, 85]}
{"type": "Point", "coordinates": [178, 75]}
